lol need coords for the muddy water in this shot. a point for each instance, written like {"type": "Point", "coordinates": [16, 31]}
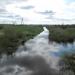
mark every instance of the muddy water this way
{"type": "Point", "coordinates": [37, 56]}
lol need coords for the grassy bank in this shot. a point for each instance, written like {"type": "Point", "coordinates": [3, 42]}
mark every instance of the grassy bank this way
{"type": "Point", "coordinates": [27, 31]}
{"type": "Point", "coordinates": [12, 36]}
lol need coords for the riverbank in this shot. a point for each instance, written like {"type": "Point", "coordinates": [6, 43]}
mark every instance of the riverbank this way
{"type": "Point", "coordinates": [11, 36]}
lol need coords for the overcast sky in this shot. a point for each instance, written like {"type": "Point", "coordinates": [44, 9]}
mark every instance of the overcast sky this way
{"type": "Point", "coordinates": [37, 11]}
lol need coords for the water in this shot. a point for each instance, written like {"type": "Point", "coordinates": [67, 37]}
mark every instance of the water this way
{"type": "Point", "coordinates": [38, 56]}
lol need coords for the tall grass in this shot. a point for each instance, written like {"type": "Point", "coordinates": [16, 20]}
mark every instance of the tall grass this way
{"type": "Point", "coordinates": [62, 34]}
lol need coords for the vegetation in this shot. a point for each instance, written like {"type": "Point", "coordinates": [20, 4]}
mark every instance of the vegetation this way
{"type": "Point", "coordinates": [63, 34]}
{"type": "Point", "coordinates": [9, 41]}
{"type": "Point", "coordinates": [68, 62]}
{"type": "Point", "coordinates": [11, 36]}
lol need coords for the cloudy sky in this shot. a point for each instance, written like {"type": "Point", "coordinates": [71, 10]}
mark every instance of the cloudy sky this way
{"type": "Point", "coordinates": [37, 11]}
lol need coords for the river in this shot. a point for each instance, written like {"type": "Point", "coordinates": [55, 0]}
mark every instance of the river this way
{"type": "Point", "coordinates": [38, 56]}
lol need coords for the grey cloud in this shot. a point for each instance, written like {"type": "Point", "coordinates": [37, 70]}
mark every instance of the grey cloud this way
{"type": "Point", "coordinates": [47, 12]}
{"type": "Point", "coordinates": [2, 10]}
{"type": "Point", "coordinates": [4, 13]}
{"type": "Point", "coordinates": [9, 16]}
{"type": "Point", "coordinates": [27, 7]}
{"type": "Point", "coordinates": [6, 16]}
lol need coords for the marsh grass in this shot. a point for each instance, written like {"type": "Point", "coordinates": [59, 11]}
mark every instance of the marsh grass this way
{"type": "Point", "coordinates": [63, 34]}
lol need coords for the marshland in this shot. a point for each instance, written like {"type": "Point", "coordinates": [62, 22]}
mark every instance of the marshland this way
{"type": "Point", "coordinates": [32, 50]}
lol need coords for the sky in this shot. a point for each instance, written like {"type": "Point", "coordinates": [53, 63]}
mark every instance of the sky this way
{"type": "Point", "coordinates": [37, 11]}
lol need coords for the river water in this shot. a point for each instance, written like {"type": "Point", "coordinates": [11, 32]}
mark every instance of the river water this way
{"type": "Point", "coordinates": [38, 56]}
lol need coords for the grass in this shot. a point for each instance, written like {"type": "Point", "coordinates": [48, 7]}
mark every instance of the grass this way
{"type": "Point", "coordinates": [63, 34]}
{"type": "Point", "coordinates": [28, 31]}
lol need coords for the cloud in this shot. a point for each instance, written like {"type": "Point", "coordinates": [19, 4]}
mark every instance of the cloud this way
{"type": "Point", "coordinates": [2, 10]}
{"type": "Point", "coordinates": [46, 12]}
{"type": "Point", "coordinates": [27, 7]}
{"type": "Point", "coordinates": [39, 11]}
